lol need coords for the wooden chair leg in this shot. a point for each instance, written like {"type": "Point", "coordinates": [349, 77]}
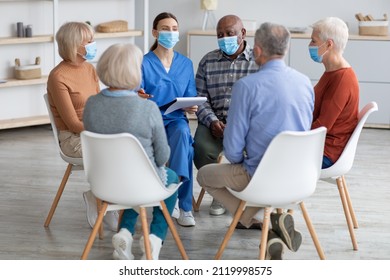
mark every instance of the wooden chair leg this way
{"type": "Point", "coordinates": [173, 230]}
{"type": "Point", "coordinates": [349, 201]}
{"type": "Point", "coordinates": [94, 231]}
{"type": "Point", "coordinates": [231, 229]}
{"type": "Point", "coordinates": [145, 231]}
{"type": "Point", "coordinates": [340, 186]}
{"type": "Point", "coordinates": [199, 201]}
{"type": "Point", "coordinates": [99, 204]}
{"type": "Point", "coordinates": [194, 204]}
{"type": "Point", "coordinates": [61, 188]}
{"type": "Point", "coordinates": [312, 231]}
{"type": "Point", "coordinates": [264, 233]}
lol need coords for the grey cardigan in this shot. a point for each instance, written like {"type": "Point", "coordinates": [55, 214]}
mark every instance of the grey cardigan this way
{"type": "Point", "coordinates": [132, 114]}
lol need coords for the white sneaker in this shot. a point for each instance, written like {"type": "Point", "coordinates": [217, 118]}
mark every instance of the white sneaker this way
{"type": "Point", "coordinates": [186, 219]}
{"type": "Point", "coordinates": [155, 244]}
{"type": "Point", "coordinates": [176, 210]}
{"type": "Point", "coordinates": [111, 218]}
{"type": "Point", "coordinates": [216, 208]}
{"type": "Point", "coordinates": [90, 203]}
{"type": "Point", "coordinates": [122, 242]}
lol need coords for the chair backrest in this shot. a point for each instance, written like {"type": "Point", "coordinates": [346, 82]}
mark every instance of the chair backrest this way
{"type": "Point", "coordinates": [51, 117]}
{"type": "Point", "coordinates": [119, 170]}
{"type": "Point", "coordinates": [347, 157]}
{"type": "Point", "coordinates": [289, 170]}
{"type": "Point", "coordinates": [72, 160]}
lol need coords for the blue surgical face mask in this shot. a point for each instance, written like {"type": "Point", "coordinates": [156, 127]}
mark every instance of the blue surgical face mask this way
{"type": "Point", "coordinates": [168, 39]}
{"type": "Point", "coordinates": [228, 45]}
{"type": "Point", "coordinates": [313, 50]}
{"type": "Point", "coordinates": [90, 51]}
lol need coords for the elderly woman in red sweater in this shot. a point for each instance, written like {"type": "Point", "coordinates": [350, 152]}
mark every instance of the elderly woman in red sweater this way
{"type": "Point", "coordinates": [337, 92]}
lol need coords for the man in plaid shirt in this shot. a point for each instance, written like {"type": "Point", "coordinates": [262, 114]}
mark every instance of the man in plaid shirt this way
{"type": "Point", "coordinates": [217, 72]}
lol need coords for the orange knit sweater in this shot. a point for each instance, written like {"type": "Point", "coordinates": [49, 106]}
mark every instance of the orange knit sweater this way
{"type": "Point", "coordinates": [68, 87]}
{"type": "Point", "coordinates": [336, 107]}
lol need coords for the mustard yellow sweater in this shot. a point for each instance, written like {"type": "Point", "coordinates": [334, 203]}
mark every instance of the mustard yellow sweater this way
{"type": "Point", "coordinates": [68, 87]}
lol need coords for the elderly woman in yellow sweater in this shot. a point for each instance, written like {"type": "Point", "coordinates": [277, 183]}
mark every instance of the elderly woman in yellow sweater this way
{"type": "Point", "coordinates": [71, 82]}
{"type": "Point", "coordinates": [69, 86]}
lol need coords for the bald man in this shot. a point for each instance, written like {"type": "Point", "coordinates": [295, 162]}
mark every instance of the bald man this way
{"type": "Point", "coordinates": [217, 72]}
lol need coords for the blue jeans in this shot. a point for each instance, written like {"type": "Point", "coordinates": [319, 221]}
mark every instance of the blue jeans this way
{"type": "Point", "coordinates": [158, 226]}
{"type": "Point", "coordinates": [326, 162]}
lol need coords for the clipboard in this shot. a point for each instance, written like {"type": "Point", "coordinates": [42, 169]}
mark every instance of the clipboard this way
{"type": "Point", "coordinates": [182, 102]}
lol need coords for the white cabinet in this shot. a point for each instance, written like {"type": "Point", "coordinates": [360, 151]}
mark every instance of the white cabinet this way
{"type": "Point", "coordinates": [368, 55]}
{"type": "Point", "coordinates": [21, 101]}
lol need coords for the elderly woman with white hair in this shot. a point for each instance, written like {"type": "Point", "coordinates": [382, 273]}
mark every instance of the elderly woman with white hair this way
{"type": "Point", "coordinates": [337, 92]}
{"type": "Point", "coordinates": [119, 109]}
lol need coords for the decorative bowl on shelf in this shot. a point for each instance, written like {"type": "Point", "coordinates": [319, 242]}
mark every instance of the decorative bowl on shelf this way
{"type": "Point", "coordinates": [113, 26]}
{"type": "Point", "coordinates": [27, 72]}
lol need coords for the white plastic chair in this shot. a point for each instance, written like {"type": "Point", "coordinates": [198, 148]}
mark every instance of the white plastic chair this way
{"type": "Point", "coordinates": [335, 173]}
{"type": "Point", "coordinates": [122, 177]}
{"type": "Point", "coordinates": [73, 164]}
{"type": "Point", "coordinates": [287, 175]}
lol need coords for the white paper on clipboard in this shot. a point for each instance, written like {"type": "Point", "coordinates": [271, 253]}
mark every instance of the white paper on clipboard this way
{"type": "Point", "coordinates": [184, 102]}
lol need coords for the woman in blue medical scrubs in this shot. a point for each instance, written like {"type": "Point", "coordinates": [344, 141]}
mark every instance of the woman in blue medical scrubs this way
{"type": "Point", "coordinates": [167, 75]}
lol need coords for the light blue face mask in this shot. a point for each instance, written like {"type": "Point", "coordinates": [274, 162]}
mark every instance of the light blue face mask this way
{"type": "Point", "coordinates": [90, 51]}
{"type": "Point", "coordinates": [228, 45]}
{"type": "Point", "coordinates": [313, 50]}
{"type": "Point", "coordinates": [168, 39]}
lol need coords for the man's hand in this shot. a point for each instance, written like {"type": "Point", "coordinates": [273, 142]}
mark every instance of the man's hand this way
{"type": "Point", "coordinates": [217, 128]}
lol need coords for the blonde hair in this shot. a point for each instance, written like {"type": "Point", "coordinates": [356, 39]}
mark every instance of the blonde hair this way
{"type": "Point", "coordinates": [120, 66]}
{"type": "Point", "coordinates": [335, 29]}
{"type": "Point", "coordinates": [70, 36]}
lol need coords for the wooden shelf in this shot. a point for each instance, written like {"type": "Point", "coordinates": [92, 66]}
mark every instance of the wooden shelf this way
{"type": "Point", "coordinates": [18, 83]}
{"type": "Point", "coordinates": [20, 122]}
{"type": "Point", "coordinates": [26, 40]}
{"type": "Point", "coordinates": [129, 33]}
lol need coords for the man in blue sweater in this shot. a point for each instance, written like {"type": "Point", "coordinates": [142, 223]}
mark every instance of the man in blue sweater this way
{"type": "Point", "coordinates": [265, 103]}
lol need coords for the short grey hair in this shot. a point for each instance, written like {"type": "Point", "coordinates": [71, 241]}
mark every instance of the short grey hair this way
{"type": "Point", "coordinates": [335, 29]}
{"type": "Point", "coordinates": [273, 39]}
{"type": "Point", "coordinates": [120, 66]}
{"type": "Point", "coordinates": [70, 36]}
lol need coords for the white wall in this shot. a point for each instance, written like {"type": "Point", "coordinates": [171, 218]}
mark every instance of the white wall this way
{"type": "Point", "coordinates": [292, 13]}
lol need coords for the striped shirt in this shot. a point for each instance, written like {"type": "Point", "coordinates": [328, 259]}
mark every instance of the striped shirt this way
{"type": "Point", "coordinates": [215, 78]}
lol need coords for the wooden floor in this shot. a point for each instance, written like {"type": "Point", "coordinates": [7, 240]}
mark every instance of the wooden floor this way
{"type": "Point", "coordinates": [31, 169]}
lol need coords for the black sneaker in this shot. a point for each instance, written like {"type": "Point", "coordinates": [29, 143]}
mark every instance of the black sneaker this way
{"type": "Point", "coordinates": [275, 246]}
{"type": "Point", "coordinates": [283, 225]}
